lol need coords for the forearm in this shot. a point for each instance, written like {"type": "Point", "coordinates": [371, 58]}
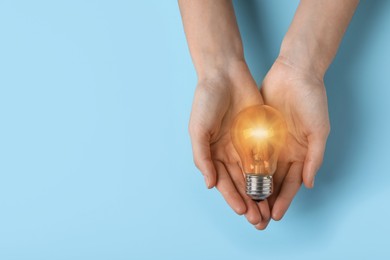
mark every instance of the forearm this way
{"type": "Point", "coordinates": [316, 32]}
{"type": "Point", "coordinates": [212, 34]}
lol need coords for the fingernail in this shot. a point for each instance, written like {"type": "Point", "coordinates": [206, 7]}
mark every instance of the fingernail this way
{"type": "Point", "coordinates": [276, 215]}
{"type": "Point", "coordinates": [206, 179]}
{"type": "Point", "coordinates": [312, 182]}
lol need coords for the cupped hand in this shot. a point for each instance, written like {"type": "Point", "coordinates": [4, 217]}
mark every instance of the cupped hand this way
{"type": "Point", "coordinates": [301, 97]}
{"type": "Point", "coordinates": [218, 98]}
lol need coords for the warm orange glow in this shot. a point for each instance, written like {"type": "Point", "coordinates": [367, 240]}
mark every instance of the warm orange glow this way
{"type": "Point", "coordinates": [258, 134]}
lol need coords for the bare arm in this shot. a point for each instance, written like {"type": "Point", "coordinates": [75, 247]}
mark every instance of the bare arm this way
{"type": "Point", "coordinates": [316, 32]}
{"type": "Point", "coordinates": [212, 35]}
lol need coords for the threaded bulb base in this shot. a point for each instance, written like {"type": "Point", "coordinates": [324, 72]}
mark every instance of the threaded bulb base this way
{"type": "Point", "coordinates": [258, 187]}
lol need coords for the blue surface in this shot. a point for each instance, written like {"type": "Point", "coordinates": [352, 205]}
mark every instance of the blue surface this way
{"type": "Point", "coordinates": [95, 159]}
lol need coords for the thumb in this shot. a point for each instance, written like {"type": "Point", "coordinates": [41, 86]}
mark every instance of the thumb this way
{"type": "Point", "coordinates": [314, 158]}
{"type": "Point", "coordinates": [202, 158]}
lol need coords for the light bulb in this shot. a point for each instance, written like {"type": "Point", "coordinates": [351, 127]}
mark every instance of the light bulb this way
{"type": "Point", "coordinates": [258, 133]}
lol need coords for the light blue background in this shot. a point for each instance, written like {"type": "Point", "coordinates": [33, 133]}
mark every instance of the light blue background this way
{"type": "Point", "coordinates": [95, 159]}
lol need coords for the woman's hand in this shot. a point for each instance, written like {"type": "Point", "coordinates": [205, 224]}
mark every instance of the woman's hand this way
{"type": "Point", "coordinates": [301, 97]}
{"type": "Point", "coordinates": [218, 98]}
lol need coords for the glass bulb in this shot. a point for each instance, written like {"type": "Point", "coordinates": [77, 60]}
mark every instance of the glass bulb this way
{"type": "Point", "coordinates": [258, 133]}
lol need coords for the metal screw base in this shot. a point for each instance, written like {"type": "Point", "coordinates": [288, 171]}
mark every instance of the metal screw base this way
{"type": "Point", "coordinates": [258, 187]}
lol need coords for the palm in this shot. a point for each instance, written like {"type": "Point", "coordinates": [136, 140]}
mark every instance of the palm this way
{"type": "Point", "coordinates": [302, 100]}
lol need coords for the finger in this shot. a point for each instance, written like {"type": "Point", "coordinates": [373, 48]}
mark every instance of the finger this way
{"type": "Point", "coordinates": [252, 214]}
{"type": "Point", "coordinates": [265, 212]}
{"type": "Point", "coordinates": [313, 160]}
{"type": "Point", "coordinates": [291, 184]}
{"type": "Point", "coordinates": [278, 177]}
{"type": "Point", "coordinates": [229, 192]}
{"type": "Point", "coordinates": [202, 158]}
{"type": "Point", "coordinates": [262, 225]}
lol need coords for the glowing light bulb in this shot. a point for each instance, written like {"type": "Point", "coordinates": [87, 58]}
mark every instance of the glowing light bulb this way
{"type": "Point", "coordinates": [258, 133]}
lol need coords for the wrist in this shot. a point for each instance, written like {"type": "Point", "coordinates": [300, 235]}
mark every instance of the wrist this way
{"type": "Point", "coordinates": [215, 66]}
{"type": "Point", "coordinates": [304, 55]}
{"type": "Point", "coordinates": [229, 70]}
{"type": "Point", "coordinates": [235, 78]}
